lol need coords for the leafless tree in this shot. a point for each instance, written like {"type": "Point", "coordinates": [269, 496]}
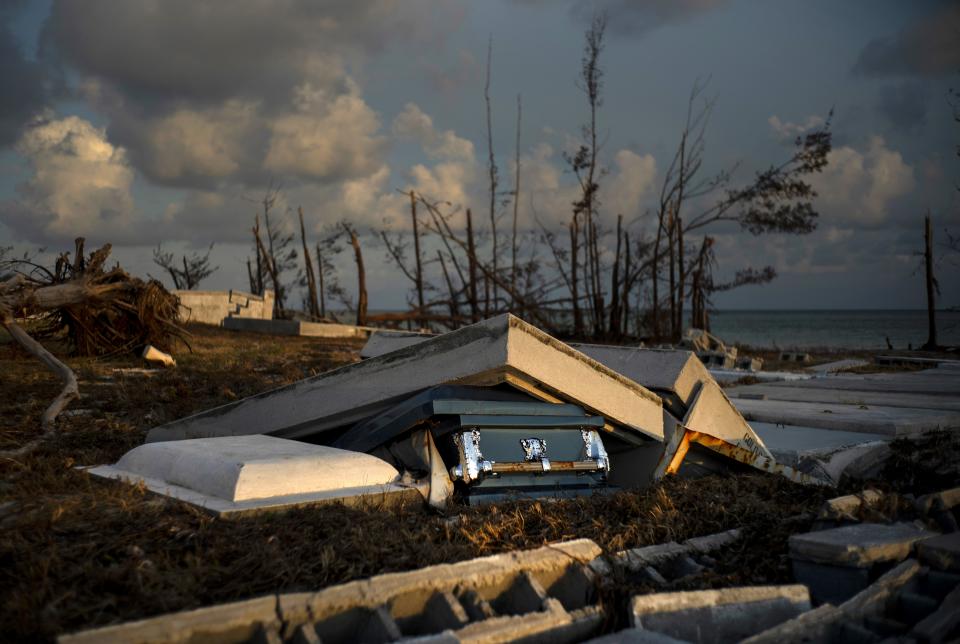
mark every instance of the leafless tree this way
{"type": "Point", "coordinates": [189, 271]}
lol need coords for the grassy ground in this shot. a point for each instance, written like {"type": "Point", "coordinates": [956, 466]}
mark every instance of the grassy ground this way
{"type": "Point", "coordinates": [76, 552]}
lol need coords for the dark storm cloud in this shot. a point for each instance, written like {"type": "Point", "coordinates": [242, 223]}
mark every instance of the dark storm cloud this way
{"type": "Point", "coordinates": [904, 105]}
{"type": "Point", "coordinates": [631, 17]}
{"type": "Point", "coordinates": [929, 47]}
{"type": "Point", "coordinates": [27, 84]}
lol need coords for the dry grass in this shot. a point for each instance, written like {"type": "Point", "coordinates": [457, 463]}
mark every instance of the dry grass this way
{"type": "Point", "coordinates": [76, 552]}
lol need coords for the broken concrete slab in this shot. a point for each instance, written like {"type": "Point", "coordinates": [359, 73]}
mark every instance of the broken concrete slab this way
{"type": "Point", "coordinates": [712, 413]}
{"type": "Point", "coordinates": [243, 474]}
{"type": "Point", "coordinates": [725, 615]}
{"type": "Point", "coordinates": [297, 327]}
{"type": "Point", "coordinates": [152, 354]}
{"type": "Point", "coordinates": [850, 506]}
{"type": "Point", "coordinates": [725, 376]}
{"type": "Point", "coordinates": [792, 445]}
{"type": "Point", "coordinates": [934, 382]}
{"type": "Point", "coordinates": [942, 553]}
{"type": "Point", "coordinates": [889, 421]}
{"type": "Point", "coordinates": [859, 546]}
{"type": "Point", "coordinates": [795, 392]}
{"type": "Point", "coordinates": [502, 350]}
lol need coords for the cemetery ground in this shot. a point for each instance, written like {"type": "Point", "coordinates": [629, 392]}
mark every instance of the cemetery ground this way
{"type": "Point", "coordinates": [78, 552]}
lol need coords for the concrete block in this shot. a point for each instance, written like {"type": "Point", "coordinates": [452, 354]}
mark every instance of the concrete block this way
{"type": "Point", "coordinates": [849, 507]}
{"type": "Point", "coordinates": [795, 356]}
{"type": "Point", "coordinates": [829, 583]}
{"type": "Point", "coordinates": [942, 553]}
{"type": "Point", "coordinates": [858, 546]}
{"type": "Point", "coordinates": [235, 622]}
{"type": "Point", "coordinates": [723, 615]}
{"type": "Point", "coordinates": [499, 350]}
{"type": "Point", "coordinates": [297, 327]}
{"type": "Point", "coordinates": [713, 542]}
{"type": "Point", "coordinates": [237, 474]}
{"type": "Point", "coordinates": [153, 354]}
{"type": "Point", "coordinates": [944, 623]}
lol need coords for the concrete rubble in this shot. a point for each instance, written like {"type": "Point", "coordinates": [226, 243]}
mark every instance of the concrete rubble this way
{"type": "Point", "coordinates": [152, 354]}
{"type": "Point", "coordinates": [583, 415]}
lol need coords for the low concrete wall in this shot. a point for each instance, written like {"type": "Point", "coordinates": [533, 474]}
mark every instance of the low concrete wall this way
{"type": "Point", "coordinates": [213, 307]}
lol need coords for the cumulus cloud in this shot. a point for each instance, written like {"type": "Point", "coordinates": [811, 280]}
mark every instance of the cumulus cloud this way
{"type": "Point", "coordinates": [929, 47]}
{"type": "Point", "coordinates": [204, 98]}
{"type": "Point", "coordinates": [630, 17]}
{"type": "Point", "coordinates": [858, 187]}
{"type": "Point", "coordinates": [80, 183]}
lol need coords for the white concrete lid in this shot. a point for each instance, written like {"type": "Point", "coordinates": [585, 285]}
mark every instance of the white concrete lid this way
{"type": "Point", "coordinates": [242, 468]}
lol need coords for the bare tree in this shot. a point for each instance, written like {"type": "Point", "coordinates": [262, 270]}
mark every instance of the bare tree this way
{"type": "Point", "coordinates": [189, 271]}
{"type": "Point", "coordinates": [492, 171]}
{"type": "Point", "coordinates": [313, 304]}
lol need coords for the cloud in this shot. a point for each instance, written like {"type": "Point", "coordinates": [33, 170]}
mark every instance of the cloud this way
{"type": "Point", "coordinates": [929, 47]}
{"type": "Point", "coordinates": [632, 17]}
{"type": "Point", "coordinates": [80, 184]}
{"type": "Point", "coordinates": [203, 98]}
{"type": "Point", "coordinates": [857, 188]}
{"type": "Point", "coordinates": [788, 131]}
{"type": "Point", "coordinates": [904, 105]}
{"type": "Point", "coordinates": [28, 85]}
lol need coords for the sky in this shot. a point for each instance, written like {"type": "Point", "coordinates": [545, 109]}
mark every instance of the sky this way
{"type": "Point", "coordinates": [138, 122]}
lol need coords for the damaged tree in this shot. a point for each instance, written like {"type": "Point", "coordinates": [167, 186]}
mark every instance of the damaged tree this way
{"type": "Point", "coordinates": [196, 267]}
{"type": "Point", "coordinates": [100, 311]}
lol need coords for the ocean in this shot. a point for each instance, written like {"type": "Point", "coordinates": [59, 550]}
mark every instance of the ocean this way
{"type": "Point", "coordinates": [833, 329]}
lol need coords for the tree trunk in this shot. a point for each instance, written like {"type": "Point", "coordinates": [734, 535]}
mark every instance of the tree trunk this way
{"type": "Point", "coordinates": [614, 325]}
{"type": "Point", "coordinates": [472, 259]}
{"type": "Point", "coordinates": [931, 285]}
{"type": "Point", "coordinates": [308, 266]}
{"type": "Point", "coordinates": [574, 287]}
{"type": "Point", "coordinates": [516, 204]}
{"type": "Point", "coordinates": [671, 235]}
{"type": "Point", "coordinates": [323, 295]}
{"type": "Point", "coordinates": [416, 250]}
{"type": "Point", "coordinates": [361, 278]}
{"type": "Point", "coordinates": [627, 285]}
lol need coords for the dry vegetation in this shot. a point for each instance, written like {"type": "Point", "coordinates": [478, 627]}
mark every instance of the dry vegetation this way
{"type": "Point", "coordinates": [77, 552]}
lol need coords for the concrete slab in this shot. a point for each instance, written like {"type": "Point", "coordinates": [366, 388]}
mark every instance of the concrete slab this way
{"type": "Point", "coordinates": [941, 552]}
{"type": "Point", "coordinates": [726, 615]}
{"type": "Point", "coordinates": [500, 350]}
{"type": "Point", "coordinates": [381, 342]}
{"type": "Point", "coordinates": [733, 375]}
{"type": "Point", "coordinates": [888, 421]}
{"type": "Point", "coordinates": [240, 474]}
{"type": "Point", "coordinates": [711, 412]}
{"type": "Point", "coordinates": [936, 383]}
{"type": "Point", "coordinates": [213, 307]}
{"type": "Point", "coordinates": [794, 391]}
{"type": "Point", "coordinates": [858, 546]}
{"type": "Point", "coordinates": [789, 443]}
{"type": "Point", "coordinates": [296, 327]}
{"type": "Point", "coordinates": [838, 365]}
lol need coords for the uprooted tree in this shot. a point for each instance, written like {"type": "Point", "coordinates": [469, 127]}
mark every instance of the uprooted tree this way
{"type": "Point", "coordinates": [98, 311]}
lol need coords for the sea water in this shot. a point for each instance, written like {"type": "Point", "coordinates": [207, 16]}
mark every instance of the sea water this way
{"type": "Point", "coordinates": [833, 329]}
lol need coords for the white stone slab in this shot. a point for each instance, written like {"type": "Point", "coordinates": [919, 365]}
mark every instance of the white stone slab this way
{"type": "Point", "coordinates": [732, 375]}
{"type": "Point", "coordinates": [296, 327]}
{"type": "Point", "coordinates": [675, 371]}
{"type": "Point", "coordinates": [501, 349]}
{"type": "Point", "coordinates": [244, 473]}
{"type": "Point", "coordinates": [889, 421]}
{"type": "Point", "coordinates": [935, 382]}
{"type": "Point", "coordinates": [859, 545]}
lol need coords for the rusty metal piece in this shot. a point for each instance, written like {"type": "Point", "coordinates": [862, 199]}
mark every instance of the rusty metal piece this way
{"type": "Point", "coordinates": [536, 467]}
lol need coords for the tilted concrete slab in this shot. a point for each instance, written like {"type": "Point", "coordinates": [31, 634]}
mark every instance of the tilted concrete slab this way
{"type": "Point", "coordinates": [711, 412]}
{"type": "Point", "coordinates": [381, 342]}
{"type": "Point", "coordinates": [889, 421]}
{"type": "Point", "coordinates": [296, 327]}
{"type": "Point", "coordinates": [500, 350]}
{"type": "Point", "coordinates": [793, 391]}
{"type": "Point", "coordinates": [242, 474]}
{"type": "Point", "coordinates": [733, 375]}
{"type": "Point", "coordinates": [838, 365]}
